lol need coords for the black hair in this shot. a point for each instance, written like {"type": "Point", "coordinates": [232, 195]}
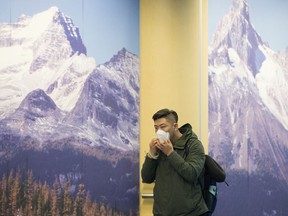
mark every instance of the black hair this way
{"type": "Point", "coordinates": [166, 113]}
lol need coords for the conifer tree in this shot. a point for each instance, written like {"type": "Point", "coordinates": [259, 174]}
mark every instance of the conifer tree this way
{"type": "Point", "coordinates": [103, 211]}
{"type": "Point", "coordinates": [3, 208]}
{"type": "Point", "coordinates": [88, 208]}
{"type": "Point", "coordinates": [37, 199]}
{"type": "Point", "coordinates": [96, 208]}
{"type": "Point", "coordinates": [15, 193]}
{"type": "Point", "coordinates": [109, 211]}
{"type": "Point", "coordinates": [55, 198]}
{"type": "Point", "coordinates": [28, 194]}
{"type": "Point", "coordinates": [9, 193]}
{"type": "Point", "coordinates": [79, 200]}
{"type": "Point", "coordinates": [68, 202]}
{"type": "Point", "coordinates": [46, 199]}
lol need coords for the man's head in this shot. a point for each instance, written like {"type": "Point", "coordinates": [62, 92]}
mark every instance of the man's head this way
{"type": "Point", "coordinates": [170, 115]}
{"type": "Point", "coordinates": [167, 120]}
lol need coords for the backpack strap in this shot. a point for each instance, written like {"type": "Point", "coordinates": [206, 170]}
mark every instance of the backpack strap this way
{"type": "Point", "coordinates": [211, 167]}
{"type": "Point", "coordinates": [187, 147]}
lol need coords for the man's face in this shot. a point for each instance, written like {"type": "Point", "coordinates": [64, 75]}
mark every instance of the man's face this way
{"type": "Point", "coordinates": [165, 125]}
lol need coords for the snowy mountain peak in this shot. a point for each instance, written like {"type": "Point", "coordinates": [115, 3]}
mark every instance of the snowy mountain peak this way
{"type": "Point", "coordinates": [53, 10]}
{"type": "Point", "coordinates": [240, 6]}
{"type": "Point", "coordinates": [71, 31]}
{"type": "Point", "coordinates": [123, 52]}
{"type": "Point", "coordinates": [46, 52]}
{"type": "Point", "coordinates": [37, 116]}
{"type": "Point", "coordinates": [37, 105]}
{"type": "Point", "coordinates": [122, 56]}
{"type": "Point", "coordinates": [235, 31]}
{"type": "Point", "coordinates": [38, 100]}
{"type": "Point", "coordinates": [53, 21]}
{"type": "Point", "coordinates": [127, 63]}
{"type": "Point", "coordinates": [109, 102]}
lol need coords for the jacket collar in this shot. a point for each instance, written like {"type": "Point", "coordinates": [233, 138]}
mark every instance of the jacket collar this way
{"type": "Point", "coordinates": [187, 134]}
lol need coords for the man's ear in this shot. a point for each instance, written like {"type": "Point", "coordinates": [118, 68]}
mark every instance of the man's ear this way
{"type": "Point", "coordinates": [175, 126]}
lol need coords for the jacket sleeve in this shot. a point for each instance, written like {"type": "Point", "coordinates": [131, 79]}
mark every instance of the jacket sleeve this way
{"type": "Point", "coordinates": [148, 171]}
{"type": "Point", "coordinates": [191, 168]}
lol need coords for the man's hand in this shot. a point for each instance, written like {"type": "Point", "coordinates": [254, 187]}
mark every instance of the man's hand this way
{"type": "Point", "coordinates": [166, 146]}
{"type": "Point", "coordinates": [153, 146]}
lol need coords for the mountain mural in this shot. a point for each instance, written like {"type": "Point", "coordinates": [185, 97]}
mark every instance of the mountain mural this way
{"type": "Point", "coordinates": [248, 88]}
{"type": "Point", "coordinates": [64, 117]}
{"type": "Point", "coordinates": [38, 55]}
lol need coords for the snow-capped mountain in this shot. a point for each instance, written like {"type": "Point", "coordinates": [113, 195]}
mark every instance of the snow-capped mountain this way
{"type": "Point", "coordinates": [98, 105]}
{"type": "Point", "coordinates": [248, 102]}
{"type": "Point", "coordinates": [46, 52]}
{"type": "Point", "coordinates": [64, 118]}
{"type": "Point", "coordinates": [110, 102]}
{"type": "Point", "coordinates": [36, 116]}
{"type": "Point", "coordinates": [238, 20]}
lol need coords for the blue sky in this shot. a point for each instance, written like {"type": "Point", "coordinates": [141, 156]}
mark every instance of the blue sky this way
{"type": "Point", "coordinates": [106, 26]}
{"type": "Point", "coordinates": [269, 18]}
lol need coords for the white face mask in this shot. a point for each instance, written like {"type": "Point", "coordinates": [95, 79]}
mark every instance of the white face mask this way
{"type": "Point", "coordinates": [162, 135]}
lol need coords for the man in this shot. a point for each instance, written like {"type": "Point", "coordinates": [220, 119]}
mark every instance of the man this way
{"type": "Point", "coordinates": [175, 165]}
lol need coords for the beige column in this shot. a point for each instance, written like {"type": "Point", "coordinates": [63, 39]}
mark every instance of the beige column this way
{"type": "Point", "coordinates": [173, 67]}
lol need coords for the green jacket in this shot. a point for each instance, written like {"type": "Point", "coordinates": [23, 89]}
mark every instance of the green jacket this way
{"type": "Point", "coordinates": [177, 190]}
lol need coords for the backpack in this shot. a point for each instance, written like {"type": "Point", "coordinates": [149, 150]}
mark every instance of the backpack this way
{"type": "Point", "coordinates": [212, 174]}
